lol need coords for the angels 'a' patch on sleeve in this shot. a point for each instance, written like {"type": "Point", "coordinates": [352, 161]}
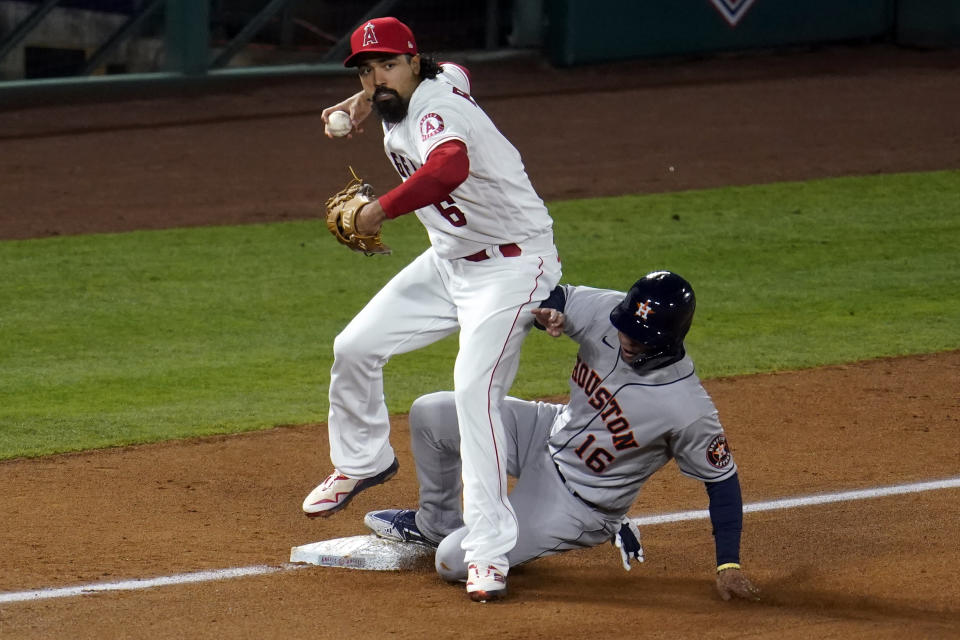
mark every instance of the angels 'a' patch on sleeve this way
{"type": "Point", "coordinates": [718, 453]}
{"type": "Point", "coordinates": [430, 125]}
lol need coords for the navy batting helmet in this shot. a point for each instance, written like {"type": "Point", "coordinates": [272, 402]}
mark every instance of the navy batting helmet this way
{"type": "Point", "coordinates": [657, 312]}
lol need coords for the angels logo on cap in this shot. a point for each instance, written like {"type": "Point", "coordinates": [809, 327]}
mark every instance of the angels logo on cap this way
{"type": "Point", "coordinates": [369, 36]}
{"type": "Point", "coordinates": [381, 35]}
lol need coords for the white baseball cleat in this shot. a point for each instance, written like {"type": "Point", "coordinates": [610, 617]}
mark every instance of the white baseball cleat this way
{"type": "Point", "coordinates": [485, 583]}
{"type": "Point", "coordinates": [337, 490]}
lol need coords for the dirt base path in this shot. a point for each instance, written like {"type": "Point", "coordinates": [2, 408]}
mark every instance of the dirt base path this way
{"type": "Point", "coordinates": [879, 568]}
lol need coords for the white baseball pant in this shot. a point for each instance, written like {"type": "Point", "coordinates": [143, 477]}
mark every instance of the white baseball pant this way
{"type": "Point", "coordinates": [431, 298]}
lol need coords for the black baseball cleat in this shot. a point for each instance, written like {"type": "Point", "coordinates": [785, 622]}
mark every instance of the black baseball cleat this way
{"type": "Point", "coordinates": [399, 525]}
{"type": "Point", "coordinates": [337, 490]}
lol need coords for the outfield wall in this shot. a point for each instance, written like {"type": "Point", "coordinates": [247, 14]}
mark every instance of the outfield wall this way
{"type": "Point", "coordinates": [928, 23]}
{"type": "Point", "coordinates": [181, 45]}
{"type": "Point", "coordinates": [586, 31]}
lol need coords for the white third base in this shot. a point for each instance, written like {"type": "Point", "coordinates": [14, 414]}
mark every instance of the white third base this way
{"type": "Point", "coordinates": [364, 552]}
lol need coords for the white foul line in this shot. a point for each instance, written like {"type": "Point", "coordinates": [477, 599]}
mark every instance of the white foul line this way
{"type": "Point", "coordinates": [223, 574]}
{"type": "Point", "coordinates": [130, 585]}
{"type": "Point", "coordinates": [806, 501]}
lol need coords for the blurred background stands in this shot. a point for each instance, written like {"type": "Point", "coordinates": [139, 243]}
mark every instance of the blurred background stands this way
{"type": "Point", "coordinates": [68, 44]}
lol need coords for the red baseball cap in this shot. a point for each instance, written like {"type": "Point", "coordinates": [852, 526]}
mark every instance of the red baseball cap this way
{"type": "Point", "coordinates": [381, 35]}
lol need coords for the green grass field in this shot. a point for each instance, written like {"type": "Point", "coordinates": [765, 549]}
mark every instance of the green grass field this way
{"type": "Point", "coordinates": [138, 337]}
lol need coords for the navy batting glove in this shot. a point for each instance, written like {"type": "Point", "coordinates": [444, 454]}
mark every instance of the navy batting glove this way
{"type": "Point", "coordinates": [627, 540]}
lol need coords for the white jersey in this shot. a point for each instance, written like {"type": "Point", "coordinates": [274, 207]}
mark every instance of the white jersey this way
{"type": "Point", "coordinates": [621, 426]}
{"type": "Point", "coordinates": [496, 204]}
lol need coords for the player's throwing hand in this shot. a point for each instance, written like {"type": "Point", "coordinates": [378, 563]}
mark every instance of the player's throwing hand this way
{"type": "Point", "coordinates": [357, 106]}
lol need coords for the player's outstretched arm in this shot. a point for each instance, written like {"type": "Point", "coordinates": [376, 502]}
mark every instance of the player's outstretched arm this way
{"type": "Point", "coordinates": [357, 106]}
{"type": "Point", "coordinates": [726, 516]}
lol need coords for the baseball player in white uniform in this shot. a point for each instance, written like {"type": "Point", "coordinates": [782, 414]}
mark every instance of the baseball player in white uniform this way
{"type": "Point", "coordinates": [635, 403]}
{"type": "Point", "coordinates": [492, 260]}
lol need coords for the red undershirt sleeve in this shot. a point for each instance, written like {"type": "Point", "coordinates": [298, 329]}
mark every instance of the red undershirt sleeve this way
{"type": "Point", "coordinates": [446, 168]}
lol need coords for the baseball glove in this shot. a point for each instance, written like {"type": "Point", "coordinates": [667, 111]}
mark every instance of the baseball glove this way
{"type": "Point", "coordinates": [342, 210]}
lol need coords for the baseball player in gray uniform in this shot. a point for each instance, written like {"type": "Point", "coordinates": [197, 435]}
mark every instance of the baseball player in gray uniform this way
{"type": "Point", "coordinates": [635, 402]}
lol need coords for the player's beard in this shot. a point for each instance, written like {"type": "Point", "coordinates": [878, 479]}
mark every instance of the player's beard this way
{"type": "Point", "coordinates": [389, 105]}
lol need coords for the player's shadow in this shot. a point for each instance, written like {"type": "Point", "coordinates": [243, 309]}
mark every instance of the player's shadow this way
{"type": "Point", "coordinates": [798, 594]}
{"type": "Point", "coordinates": [794, 594]}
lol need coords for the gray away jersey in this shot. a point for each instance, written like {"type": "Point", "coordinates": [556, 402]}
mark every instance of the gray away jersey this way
{"type": "Point", "coordinates": [621, 426]}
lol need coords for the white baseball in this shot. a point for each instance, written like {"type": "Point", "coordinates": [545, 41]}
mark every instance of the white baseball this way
{"type": "Point", "coordinates": [338, 123]}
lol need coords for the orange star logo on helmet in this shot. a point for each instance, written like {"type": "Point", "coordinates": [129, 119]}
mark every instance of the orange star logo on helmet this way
{"type": "Point", "coordinates": [644, 309]}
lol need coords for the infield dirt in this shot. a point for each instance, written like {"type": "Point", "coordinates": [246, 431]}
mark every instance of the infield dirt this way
{"type": "Point", "coordinates": [883, 568]}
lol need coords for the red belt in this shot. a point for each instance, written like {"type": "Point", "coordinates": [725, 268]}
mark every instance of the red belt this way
{"type": "Point", "coordinates": [508, 250]}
